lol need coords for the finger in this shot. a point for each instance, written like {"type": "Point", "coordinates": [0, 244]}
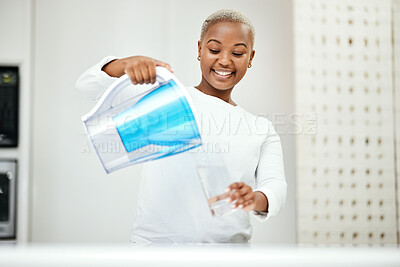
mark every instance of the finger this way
{"type": "Point", "coordinates": [138, 76]}
{"type": "Point", "coordinates": [131, 76]}
{"type": "Point", "coordinates": [233, 186]}
{"type": "Point", "coordinates": [163, 64]}
{"type": "Point", "coordinates": [243, 199]}
{"type": "Point", "coordinates": [145, 75]}
{"type": "Point", "coordinates": [235, 195]}
{"type": "Point", "coordinates": [239, 192]}
{"type": "Point", "coordinates": [246, 197]}
{"type": "Point", "coordinates": [244, 190]}
{"type": "Point", "coordinates": [152, 73]}
{"type": "Point", "coordinates": [248, 205]}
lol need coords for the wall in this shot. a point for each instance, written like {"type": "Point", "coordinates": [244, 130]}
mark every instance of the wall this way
{"type": "Point", "coordinates": [346, 170]}
{"type": "Point", "coordinates": [396, 87]}
{"type": "Point", "coordinates": [73, 199]}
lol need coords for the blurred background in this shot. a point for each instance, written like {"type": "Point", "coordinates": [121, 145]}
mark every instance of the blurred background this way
{"type": "Point", "coordinates": [326, 73]}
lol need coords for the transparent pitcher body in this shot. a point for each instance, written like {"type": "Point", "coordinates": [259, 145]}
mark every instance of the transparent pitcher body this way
{"type": "Point", "coordinates": [156, 121]}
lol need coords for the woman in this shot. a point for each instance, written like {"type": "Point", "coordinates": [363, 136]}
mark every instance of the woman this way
{"type": "Point", "coordinates": [171, 206]}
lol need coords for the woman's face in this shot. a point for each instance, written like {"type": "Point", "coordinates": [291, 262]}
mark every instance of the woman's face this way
{"type": "Point", "coordinates": [226, 51]}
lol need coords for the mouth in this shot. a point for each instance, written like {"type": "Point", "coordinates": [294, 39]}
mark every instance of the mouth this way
{"type": "Point", "coordinates": [223, 74]}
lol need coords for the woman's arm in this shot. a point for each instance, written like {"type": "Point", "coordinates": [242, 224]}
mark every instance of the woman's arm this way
{"type": "Point", "coordinates": [140, 69]}
{"type": "Point", "coordinates": [270, 175]}
{"type": "Point", "coordinates": [269, 196]}
{"type": "Point", "coordinates": [94, 81]}
{"type": "Point", "coordinates": [261, 202]}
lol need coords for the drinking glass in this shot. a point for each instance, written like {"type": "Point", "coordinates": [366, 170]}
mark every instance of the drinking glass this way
{"type": "Point", "coordinates": [215, 179]}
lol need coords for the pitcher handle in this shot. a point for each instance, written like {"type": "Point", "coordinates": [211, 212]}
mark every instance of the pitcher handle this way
{"type": "Point", "coordinates": [163, 75]}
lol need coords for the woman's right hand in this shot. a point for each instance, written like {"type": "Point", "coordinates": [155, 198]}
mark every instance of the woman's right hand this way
{"type": "Point", "coordinates": [140, 69]}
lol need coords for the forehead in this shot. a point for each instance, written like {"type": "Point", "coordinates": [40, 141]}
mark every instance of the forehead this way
{"type": "Point", "coordinates": [225, 31]}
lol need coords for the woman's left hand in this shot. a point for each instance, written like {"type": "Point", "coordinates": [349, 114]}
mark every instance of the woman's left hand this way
{"type": "Point", "coordinates": [243, 193]}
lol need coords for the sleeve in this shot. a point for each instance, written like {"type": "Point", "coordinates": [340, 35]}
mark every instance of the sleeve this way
{"type": "Point", "coordinates": [270, 175]}
{"type": "Point", "coordinates": [93, 82]}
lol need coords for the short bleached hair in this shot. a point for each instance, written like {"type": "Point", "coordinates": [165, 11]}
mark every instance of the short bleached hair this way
{"type": "Point", "coordinates": [230, 16]}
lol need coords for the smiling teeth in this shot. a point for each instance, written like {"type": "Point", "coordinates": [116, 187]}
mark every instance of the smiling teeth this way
{"type": "Point", "coordinates": [223, 73]}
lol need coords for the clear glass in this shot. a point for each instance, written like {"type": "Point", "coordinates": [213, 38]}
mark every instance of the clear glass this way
{"type": "Point", "coordinates": [215, 179]}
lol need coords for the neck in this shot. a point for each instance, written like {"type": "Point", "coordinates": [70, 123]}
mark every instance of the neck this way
{"type": "Point", "coordinates": [224, 95]}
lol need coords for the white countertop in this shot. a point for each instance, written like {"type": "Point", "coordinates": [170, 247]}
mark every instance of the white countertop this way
{"type": "Point", "coordinates": [194, 255]}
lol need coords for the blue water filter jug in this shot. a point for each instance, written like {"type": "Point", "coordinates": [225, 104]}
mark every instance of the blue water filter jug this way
{"type": "Point", "coordinates": [150, 122]}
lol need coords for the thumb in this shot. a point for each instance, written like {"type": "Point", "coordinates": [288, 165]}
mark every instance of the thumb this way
{"type": "Point", "coordinates": [163, 64]}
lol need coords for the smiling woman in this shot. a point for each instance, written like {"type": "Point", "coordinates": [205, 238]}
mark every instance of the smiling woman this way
{"type": "Point", "coordinates": [171, 206]}
{"type": "Point", "coordinates": [225, 53]}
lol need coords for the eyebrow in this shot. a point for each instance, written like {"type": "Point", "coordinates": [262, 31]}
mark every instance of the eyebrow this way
{"type": "Point", "coordinates": [241, 44]}
{"type": "Point", "coordinates": [221, 43]}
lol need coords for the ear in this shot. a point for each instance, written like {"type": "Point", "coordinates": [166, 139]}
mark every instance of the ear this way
{"type": "Point", "coordinates": [252, 56]}
{"type": "Point", "coordinates": [199, 48]}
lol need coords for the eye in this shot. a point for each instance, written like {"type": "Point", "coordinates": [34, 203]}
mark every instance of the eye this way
{"type": "Point", "coordinates": [238, 54]}
{"type": "Point", "coordinates": [214, 51]}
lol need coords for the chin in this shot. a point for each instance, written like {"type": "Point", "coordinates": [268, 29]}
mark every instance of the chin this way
{"type": "Point", "coordinates": [221, 86]}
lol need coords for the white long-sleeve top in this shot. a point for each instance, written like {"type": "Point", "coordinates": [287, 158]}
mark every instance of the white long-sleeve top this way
{"type": "Point", "coordinates": [171, 204]}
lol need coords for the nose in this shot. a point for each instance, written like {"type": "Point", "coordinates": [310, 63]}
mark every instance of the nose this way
{"type": "Point", "coordinates": [224, 59]}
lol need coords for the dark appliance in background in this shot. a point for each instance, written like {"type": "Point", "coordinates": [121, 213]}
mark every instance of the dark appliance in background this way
{"type": "Point", "coordinates": [9, 87]}
{"type": "Point", "coordinates": [9, 84]}
{"type": "Point", "coordinates": [7, 198]}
